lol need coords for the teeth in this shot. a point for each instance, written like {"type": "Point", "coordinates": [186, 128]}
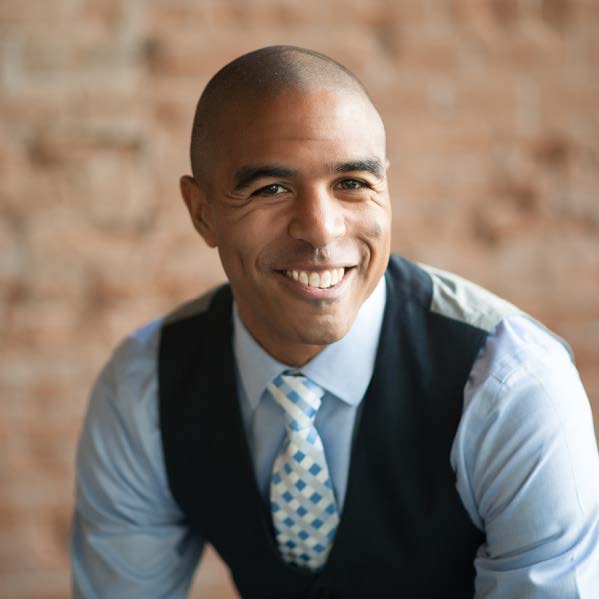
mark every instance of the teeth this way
{"type": "Point", "coordinates": [323, 279]}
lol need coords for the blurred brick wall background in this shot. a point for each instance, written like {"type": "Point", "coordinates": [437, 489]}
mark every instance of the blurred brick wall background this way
{"type": "Point", "coordinates": [492, 110]}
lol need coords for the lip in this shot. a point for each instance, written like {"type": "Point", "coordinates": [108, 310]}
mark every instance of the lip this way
{"type": "Point", "coordinates": [312, 267]}
{"type": "Point", "coordinates": [316, 293]}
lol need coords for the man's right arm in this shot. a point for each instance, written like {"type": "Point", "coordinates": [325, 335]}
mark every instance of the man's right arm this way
{"type": "Point", "coordinates": [528, 469]}
{"type": "Point", "coordinates": [128, 538]}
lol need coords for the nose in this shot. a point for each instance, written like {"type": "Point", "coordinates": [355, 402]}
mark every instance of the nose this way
{"type": "Point", "coordinates": [317, 218]}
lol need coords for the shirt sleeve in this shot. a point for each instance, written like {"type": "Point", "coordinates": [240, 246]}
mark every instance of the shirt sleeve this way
{"type": "Point", "coordinates": [128, 535]}
{"type": "Point", "coordinates": [527, 469]}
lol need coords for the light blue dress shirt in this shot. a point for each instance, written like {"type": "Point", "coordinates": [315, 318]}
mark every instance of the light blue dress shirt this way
{"type": "Point", "coordinates": [524, 454]}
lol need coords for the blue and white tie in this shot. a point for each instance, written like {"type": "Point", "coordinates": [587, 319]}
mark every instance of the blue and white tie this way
{"type": "Point", "coordinates": [304, 509]}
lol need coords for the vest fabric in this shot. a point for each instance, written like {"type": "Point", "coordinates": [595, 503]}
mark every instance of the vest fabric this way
{"type": "Point", "coordinates": [403, 531]}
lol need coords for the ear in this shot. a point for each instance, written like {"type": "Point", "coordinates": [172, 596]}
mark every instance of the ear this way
{"type": "Point", "coordinates": [200, 209]}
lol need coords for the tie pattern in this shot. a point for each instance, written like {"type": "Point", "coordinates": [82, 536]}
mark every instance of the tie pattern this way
{"type": "Point", "coordinates": [304, 509]}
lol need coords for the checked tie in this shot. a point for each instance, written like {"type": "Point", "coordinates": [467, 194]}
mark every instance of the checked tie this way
{"type": "Point", "coordinates": [304, 509]}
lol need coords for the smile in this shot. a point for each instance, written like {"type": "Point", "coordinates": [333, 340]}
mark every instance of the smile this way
{"type": "Point", "coordinates": [322, 279]}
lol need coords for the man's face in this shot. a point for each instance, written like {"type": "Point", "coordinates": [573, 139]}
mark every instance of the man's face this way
{"type": "Point", "coordinates": [297, 204]}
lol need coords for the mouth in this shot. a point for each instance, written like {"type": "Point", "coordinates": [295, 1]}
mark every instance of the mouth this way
{"type": "Point", "coordinates": [321, 279]}
{"type": "Point", "coordinates": [317, 283]}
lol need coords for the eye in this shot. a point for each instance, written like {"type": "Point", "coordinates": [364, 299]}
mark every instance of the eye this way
{"type": "Point", "coordinates": [352, 184]}
{"type": "Point", "coordinates": [270, 190]}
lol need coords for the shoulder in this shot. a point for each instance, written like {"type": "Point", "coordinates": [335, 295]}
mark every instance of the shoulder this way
{"type": "Point", "coordinates": [451, 296]}
{"type": "Point", "coordinates": [522, 368]}
{"type": "Point", "coordinates": [138, 351]}
{"type": "Point", "coordinates": [129, 379]}
{"type": "Point", "coordinates": [194, 307]}
{"type": "Point", "coordinates": [519, 348]}
{"type": "Point", "coordinates": [460, 299]}
{"type": "Point", "coordinates": [520, 352]}
{"type": "Point", "coordinates": [120, 443]}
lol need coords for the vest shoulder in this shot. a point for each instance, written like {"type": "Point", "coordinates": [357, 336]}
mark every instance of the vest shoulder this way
{"type": "Point", "coordinates": [192, 308]}
{"type": "Point", "coordinates": [456, 298]}
{"type": "Point", "coordinates": [462, 300]}
{"type": "Point", "coordinates": [146, 339]}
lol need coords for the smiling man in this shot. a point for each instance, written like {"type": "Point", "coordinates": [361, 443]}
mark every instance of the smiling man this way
{"type": "Point", "coordinates": [336, 422]}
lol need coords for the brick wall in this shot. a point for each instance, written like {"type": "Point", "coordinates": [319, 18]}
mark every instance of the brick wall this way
{"type": "Point", "coordinates": [492, 109]}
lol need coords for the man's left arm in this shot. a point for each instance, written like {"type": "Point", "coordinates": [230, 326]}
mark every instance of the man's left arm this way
{"type": "Point", "coordinates": [528, 469]}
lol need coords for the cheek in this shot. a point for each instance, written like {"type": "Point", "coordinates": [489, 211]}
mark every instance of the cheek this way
{"type": "Point", "coordinates": [244, 238]}
{"type": "Point", "coordinates": [375, 233]}
{"type": "Point", "coordinates": [377, 230]}
{"type": "Point", "coordinates": [372, 226]}
{"type": "Point", "coordinates": [379, 223]}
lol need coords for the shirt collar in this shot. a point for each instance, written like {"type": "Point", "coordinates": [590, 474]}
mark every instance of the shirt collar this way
{"type": "Point", "coordinates": [343, 368]}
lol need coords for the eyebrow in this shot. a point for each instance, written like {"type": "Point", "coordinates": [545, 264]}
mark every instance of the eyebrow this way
{"type": "Point", "coordinates": [369, 165]}
{"type": "Point", "coordinates": [246, 175]}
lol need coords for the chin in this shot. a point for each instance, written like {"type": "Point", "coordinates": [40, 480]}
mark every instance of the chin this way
{"type": "Point", "coordinates": [322, 333]}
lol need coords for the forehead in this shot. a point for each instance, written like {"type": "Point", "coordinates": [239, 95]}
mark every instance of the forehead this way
{"type": "Point", "coordinates": [300, 126]}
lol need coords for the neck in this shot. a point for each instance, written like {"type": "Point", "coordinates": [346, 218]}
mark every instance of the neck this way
{"type": "Point", "coordinates": [293, 355]}
{"type": "Point", "coordinates": [297, 358]}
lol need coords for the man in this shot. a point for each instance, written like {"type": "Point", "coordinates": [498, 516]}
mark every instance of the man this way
{"type": "Point", "coordinates": [335, 422]}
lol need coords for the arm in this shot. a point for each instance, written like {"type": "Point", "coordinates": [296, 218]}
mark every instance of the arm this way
{"type": "Point", "coordinates": [128, 536]}
{"type": "Point", "coordinates": [528, 470]}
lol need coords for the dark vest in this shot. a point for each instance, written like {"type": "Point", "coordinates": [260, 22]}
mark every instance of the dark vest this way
{"type": "Point", "coordinates": [403, 530]}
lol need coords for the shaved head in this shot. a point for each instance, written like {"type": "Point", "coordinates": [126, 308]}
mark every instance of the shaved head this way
{"type": "Point", "coordinates": [254, 78]}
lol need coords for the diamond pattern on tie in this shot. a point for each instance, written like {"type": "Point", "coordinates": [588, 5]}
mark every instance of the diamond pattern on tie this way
{"type": "Point", "coordinates": [304, 509]}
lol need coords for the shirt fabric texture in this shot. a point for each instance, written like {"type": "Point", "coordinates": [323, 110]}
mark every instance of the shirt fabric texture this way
{"type": "Point", "coordinates": [524, 454]}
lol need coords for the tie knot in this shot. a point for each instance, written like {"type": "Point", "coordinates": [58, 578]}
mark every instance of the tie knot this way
{"type": "Point", "coordinates": [298, 396]}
